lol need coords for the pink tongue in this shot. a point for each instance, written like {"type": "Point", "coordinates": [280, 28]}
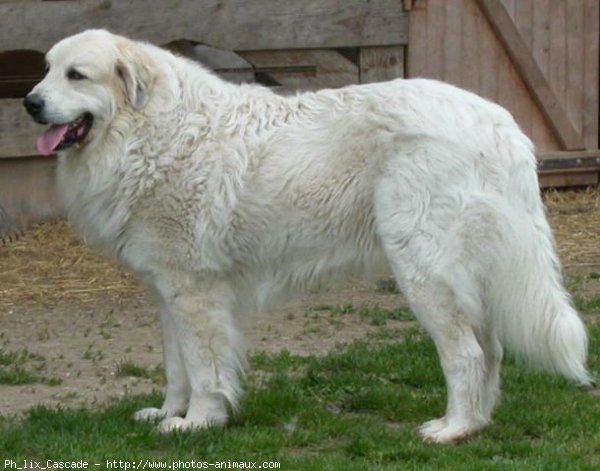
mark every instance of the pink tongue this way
{"type": "Point", "coordinates": [50, 140]}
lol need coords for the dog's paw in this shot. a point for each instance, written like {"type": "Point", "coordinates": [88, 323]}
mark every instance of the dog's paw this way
{"type": "Point", "coordinates": [180, 424]}
{"type": "Point", "coordinates": [174, 424]}
{"type": "Point", "coordinates": [150, 414]}
{"type": "Point", "coordinates": [445, 431]}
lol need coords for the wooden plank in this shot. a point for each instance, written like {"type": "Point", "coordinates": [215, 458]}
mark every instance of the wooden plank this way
{"type": "Point", "coordinates": [565, 169]}
{"type": "Point", "coordinates": [416, 65]}
{"type": "Point", "coordinates": [523, 18]}
{"type": "Point", "coordinates": [471, 41]}
{"type": "Point", "coordinates": [590, 73]}
{"type": "Point", "coordinates": [226, 64]}
{"type": "Point", "coordinates": [510, 89]}
{"type": "Point", "coordinates": [580, 154]}
{"type": "Point", "coordinates": [488, 60]}
{"type": "Point", "coordinates": [575, 47]}
{"type": "Point", "coordinates": [452, 44]}
{"type": "Point", "coordinates": [557, 76]}
{"type": "Point", "coordinates": [525, 110]}
{"type": "Point", "coordinates": [228, 24]}
{"type": "Point", "coordinates": [509, 5]}
{"type": "Point", "coordinates": [540, 45]}
{"type": "Point", "coordinates": [17, 130]}
{"type": "Point", "coordinates": [304, 69]}
{"type": "Point", "coordinates": [378, 64]}
{"type": "Point", "coordinates": [560, 165]}
{"type": "Point", "coordinates": [531, 74]}
{"type": "Point", "coordinates": [542, 135]}
{"type": "Point", "coordinates": [568, 179]}
{"type": "Point", "coordinates": [28, 190]}
{"type": "Point", "coordinates": [435, 38]}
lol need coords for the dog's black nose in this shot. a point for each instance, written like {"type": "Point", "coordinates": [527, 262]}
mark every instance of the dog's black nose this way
{"type": "Point", "coordinates": [34, 104]}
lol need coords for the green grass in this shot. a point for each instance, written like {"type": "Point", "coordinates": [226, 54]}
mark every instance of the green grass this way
{"type": "Point", "coordinates": [587, 305]}
{"type": "Point", "coordinates": [379, 316]}
{"type": "Point", "coordinates": [354, 409]}
{"type": "Point", "coordinates": [23, 367]}
{"type": "Point", "coordinates": [128, 368]}
{"type": "Point", "coordinates": [374, 315]}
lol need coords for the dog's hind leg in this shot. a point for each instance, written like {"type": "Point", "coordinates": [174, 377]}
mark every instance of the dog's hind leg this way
{"type": "Point", "coordinates": [462, 359]}
{"type": "Point", "coordinates": [438, 255]}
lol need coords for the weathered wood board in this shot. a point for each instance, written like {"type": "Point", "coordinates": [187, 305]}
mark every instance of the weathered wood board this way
{"type": "Point", "coordinates": [378, 64]}
{"type": "Point", "coordinates": [17, 130]}
{"type": "Point", "coordinates": [538, 58]}
{"type": "Point", "coordinates": [231, 24]}
{"type": "Point", "coordinates": [28, 191]}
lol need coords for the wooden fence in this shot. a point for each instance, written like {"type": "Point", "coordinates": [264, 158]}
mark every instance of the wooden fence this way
{"type": "Point", "coordinates": [538, 58]}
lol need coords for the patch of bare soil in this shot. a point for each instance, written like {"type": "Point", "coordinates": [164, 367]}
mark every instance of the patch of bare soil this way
{"type": "Point", "coordinates": [83, 318]}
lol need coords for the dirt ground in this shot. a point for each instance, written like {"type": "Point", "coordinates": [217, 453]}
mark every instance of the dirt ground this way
{"type": "Point", "coordinates": [80, 318]}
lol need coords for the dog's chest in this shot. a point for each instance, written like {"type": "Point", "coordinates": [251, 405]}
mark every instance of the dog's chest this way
{"type": "Point", "coordinates": [96, 200]}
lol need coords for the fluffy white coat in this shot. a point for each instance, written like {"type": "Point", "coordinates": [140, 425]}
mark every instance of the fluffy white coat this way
{"type": "Point", "coordinates": [224, 197]}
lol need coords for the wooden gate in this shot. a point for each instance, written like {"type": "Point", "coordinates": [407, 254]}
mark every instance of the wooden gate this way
{"type": "Point", "coordinates": [538, 58]}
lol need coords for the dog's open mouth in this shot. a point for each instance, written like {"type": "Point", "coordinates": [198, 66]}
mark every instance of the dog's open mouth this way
{"type": "Point", "coordinates": [62, 136]}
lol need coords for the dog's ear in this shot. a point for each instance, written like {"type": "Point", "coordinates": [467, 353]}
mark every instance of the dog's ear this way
{"type": "Point", "coordinates": [136, 73]}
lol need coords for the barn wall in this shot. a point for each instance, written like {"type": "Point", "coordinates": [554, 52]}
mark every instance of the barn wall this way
{"type": "Point", "coordinates": [542, 65]}
{"type": "Point", "coordinates": [538, 58]}
{"type": "Point", "coordinates": [300, 44]}
{"type": "Point", "coordinates": [27, 189]}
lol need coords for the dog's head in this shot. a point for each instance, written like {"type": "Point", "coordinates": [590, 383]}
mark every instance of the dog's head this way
{"type": "Point", "coordinates": [90, 77]}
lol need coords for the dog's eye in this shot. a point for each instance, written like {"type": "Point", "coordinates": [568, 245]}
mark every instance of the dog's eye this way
{"type": "Point", "coordinates": [72, 74]}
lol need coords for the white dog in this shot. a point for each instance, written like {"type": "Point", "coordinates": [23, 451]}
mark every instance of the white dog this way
{"type": "Point", "coordinates": [221, 197]}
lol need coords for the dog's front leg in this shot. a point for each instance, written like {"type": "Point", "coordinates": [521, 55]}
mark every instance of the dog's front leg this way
{"type": "Point", "coordinates": [177, 395]}
{"type": "Point", "coordinates": [205, 347]}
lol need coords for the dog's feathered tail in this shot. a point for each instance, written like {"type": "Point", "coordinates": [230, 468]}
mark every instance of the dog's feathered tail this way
{"type": "Point", "coordinates": [532, 313]}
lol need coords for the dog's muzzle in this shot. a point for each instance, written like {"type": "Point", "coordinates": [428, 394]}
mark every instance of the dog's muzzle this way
{"type": "Point", "coordinates": [34, 104]}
